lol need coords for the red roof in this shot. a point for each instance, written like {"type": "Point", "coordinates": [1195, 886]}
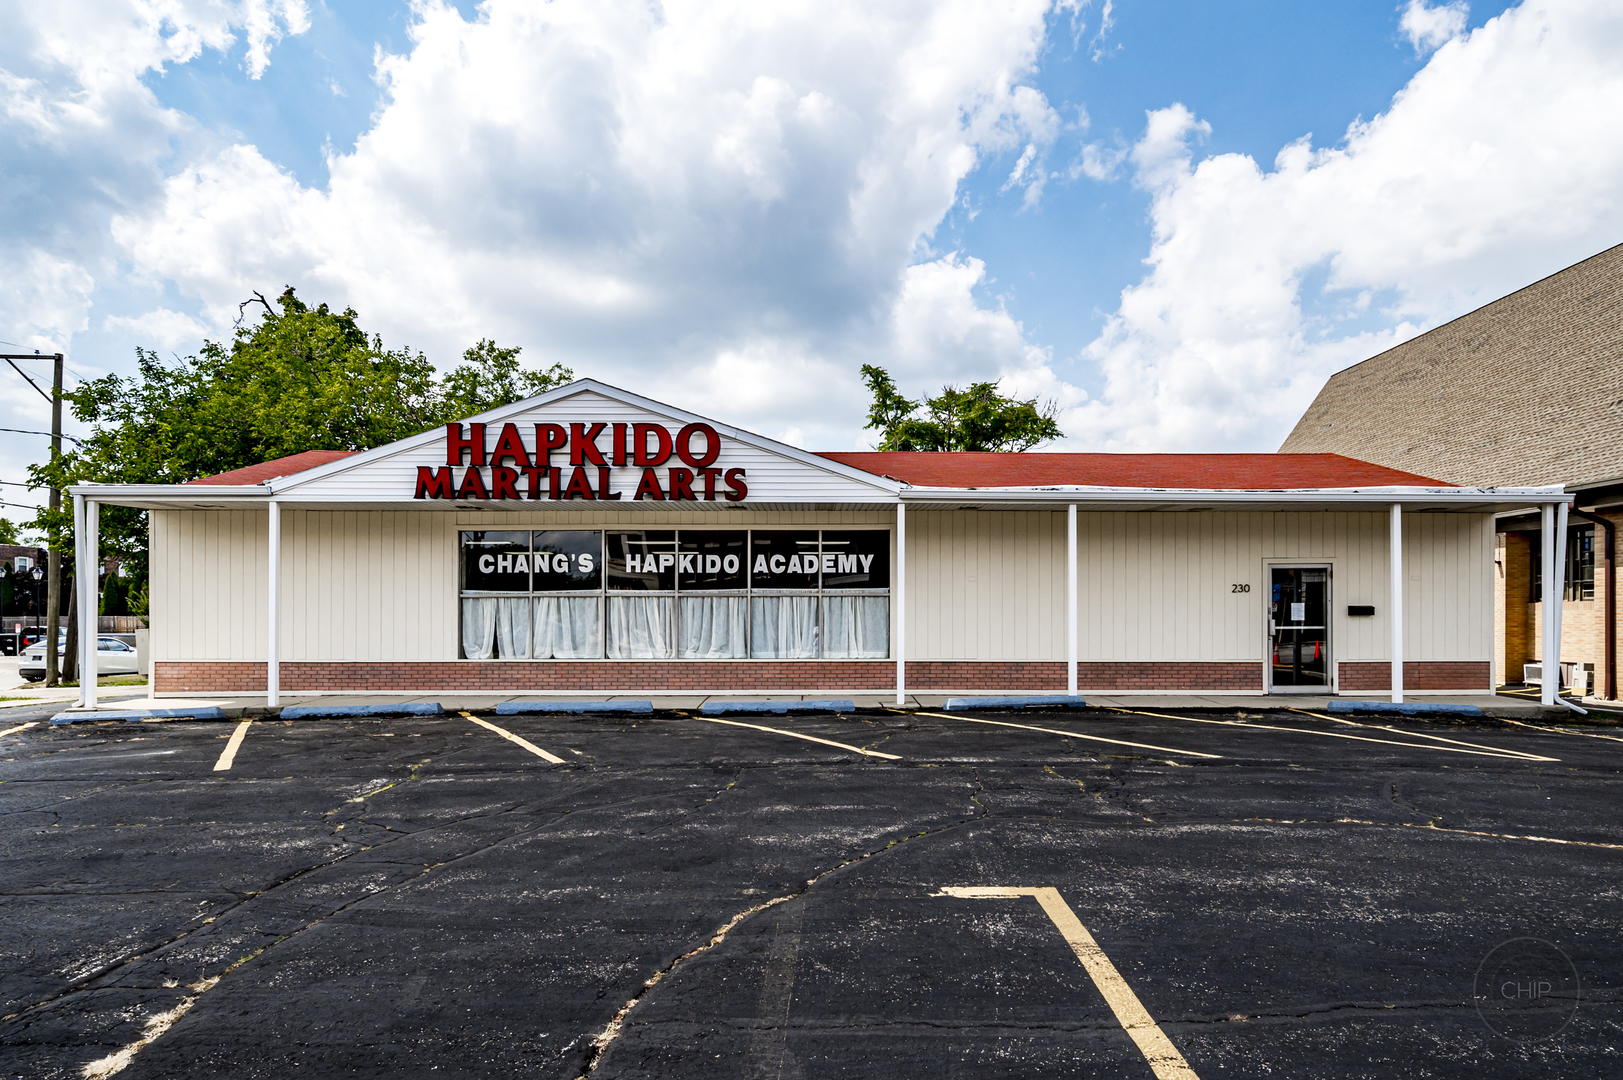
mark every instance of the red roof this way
{"type": "Point", "coordinates": [272, 470]}
{"type": "Point", "coordinates": [1220, 472]}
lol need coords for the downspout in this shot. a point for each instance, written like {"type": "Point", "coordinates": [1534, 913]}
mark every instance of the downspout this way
{"type": "Point", "coordinates": [1611, 599]}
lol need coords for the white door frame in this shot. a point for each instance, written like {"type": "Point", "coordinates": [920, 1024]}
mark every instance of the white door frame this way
{"type": "Point", "coordinates": [1330, 670]}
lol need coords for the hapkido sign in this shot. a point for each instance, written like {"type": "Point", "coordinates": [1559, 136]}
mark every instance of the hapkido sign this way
{"type": "Point", "coordinates": [511, 470]}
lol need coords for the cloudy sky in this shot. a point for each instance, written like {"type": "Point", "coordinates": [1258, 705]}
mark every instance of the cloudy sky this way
{"type": "Point", "coordinates": [1176, 218]}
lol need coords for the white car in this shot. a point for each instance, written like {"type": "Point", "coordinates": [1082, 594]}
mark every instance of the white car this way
{"type": "Point", "coordinates": [113, 657]}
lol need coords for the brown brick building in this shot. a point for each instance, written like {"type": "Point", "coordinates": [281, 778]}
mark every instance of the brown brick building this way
{"type": "Point", "coordinates": [1525, 391]}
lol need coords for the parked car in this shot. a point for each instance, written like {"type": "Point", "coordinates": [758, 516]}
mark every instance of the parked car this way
{"type": "Point", "coordinates": [113, 657]}
{"type": "Point", "coordinates": [16, 641]}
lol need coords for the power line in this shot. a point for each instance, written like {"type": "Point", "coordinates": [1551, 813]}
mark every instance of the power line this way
{"type": "Point", "coordinates": [22, 506]}
{"type": "Point", "coordinates": [47, 434]}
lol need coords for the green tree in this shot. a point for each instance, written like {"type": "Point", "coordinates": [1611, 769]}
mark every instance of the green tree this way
{"type": "Point", "coordinates": [974, 418]}
{"type": "Point", "coordinates": [301, 378]}
{"type": "Point", "coordinates": [8, 531]}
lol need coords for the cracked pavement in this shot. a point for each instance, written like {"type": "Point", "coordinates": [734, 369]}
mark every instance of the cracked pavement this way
{"type": "Point", "coordinates": [681, 899]}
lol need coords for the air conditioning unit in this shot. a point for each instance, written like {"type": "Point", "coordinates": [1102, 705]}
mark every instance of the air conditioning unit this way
{"type": "Point", "coordinates": [1533, 674]}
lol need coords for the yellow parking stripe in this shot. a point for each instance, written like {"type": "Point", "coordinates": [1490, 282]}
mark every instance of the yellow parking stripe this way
{"type": "Point", "coordinates": [229, 754]}
{"type": "Point", "coordinates": [1518, 723]}
{"type": "Point", "coordinates": [1164, 1060]}
{"type": "Point", "coordinates": [19, 727]}
{"type": "Point", "coordinates": [1071, 735]}
{"type": "Point", "coordinates": [796, 735]}
{"type": "Point", "coordinates": [1422, 735]}
{"type": "Point", "coordinates": [510, 737]}
{"type": "Point", "coordinates": [1513, 756]}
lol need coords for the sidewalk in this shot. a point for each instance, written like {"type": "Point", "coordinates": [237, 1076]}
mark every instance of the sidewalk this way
{"type": "Point", "coordinates": [238, 705]}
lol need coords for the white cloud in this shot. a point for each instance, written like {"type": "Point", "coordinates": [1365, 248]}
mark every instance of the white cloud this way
{"type": "Point", "coordinates": [1429, 27]}
{"type": "Point", "coordinates": [160, 327]}
{"type": "Point", "coordinates": [716, 204]}
{"type": "Point", "coordinates": [1492, 168]}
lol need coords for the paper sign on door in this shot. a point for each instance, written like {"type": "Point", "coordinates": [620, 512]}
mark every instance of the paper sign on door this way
{"type": "Point", "coordinates": [1298, 613]}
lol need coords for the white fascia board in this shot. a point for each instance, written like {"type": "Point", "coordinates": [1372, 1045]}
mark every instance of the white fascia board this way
{"type": "Point", "coordinates": [890, 488]}
{"type": "Point", "coordinates": [177, 492]}
{"type": "Point", "coordinates": [1376, 495]}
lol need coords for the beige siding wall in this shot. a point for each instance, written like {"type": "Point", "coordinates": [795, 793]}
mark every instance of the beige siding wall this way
{"type": "Point", "coordinates": [1159, 587]}
{"type": "Point", "coordinates": [364, 586]}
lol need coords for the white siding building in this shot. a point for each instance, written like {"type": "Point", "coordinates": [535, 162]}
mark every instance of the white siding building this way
{"type": "Point", "coordinates": [593, 541]}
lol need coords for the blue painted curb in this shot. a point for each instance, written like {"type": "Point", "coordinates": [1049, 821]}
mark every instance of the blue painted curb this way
{"type": "Point", "coordinates": [209, 712]}
{"type": "Point", "coordinates": [961, 703]}
{"type": "Point", "coordinates": [776, 708]}
{"type": "Point", "coordinates": [1404, 708]}
{"type": "Point", "coordinates": [312, 712]}
{"type": "Point", "coordinates": [511, 708]}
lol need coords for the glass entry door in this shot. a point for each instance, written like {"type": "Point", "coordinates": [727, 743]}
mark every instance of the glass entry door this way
{"type": "Point", "coordinates": [1299, 629]}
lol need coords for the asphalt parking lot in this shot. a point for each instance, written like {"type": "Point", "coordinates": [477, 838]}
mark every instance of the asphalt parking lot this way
{"type": "Point", "coordinates": [1002, 894]}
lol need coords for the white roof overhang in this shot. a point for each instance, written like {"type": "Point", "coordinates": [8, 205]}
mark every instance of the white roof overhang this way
{"type": "Point", "coordinates": [1459, 500]}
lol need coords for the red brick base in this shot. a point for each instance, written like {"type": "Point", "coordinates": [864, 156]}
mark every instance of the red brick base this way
{"type": "Point", "coordinates": [217, 677]}
{"type": "Point", "coordinates": [1418, 675]}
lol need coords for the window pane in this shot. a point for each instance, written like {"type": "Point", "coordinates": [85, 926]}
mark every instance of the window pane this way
{"type": "Point", "coordinates": [642, 627]}
{"type": "Point", "coordinates": [856, 560]}
{"type": "Point", "coordinates": [496, 561]}
{"type": "Point", "coordinates": [567, 561]}
{"type": "Point", "coordinates": [568, 628]}
{"type": "Point", "coordinates": [712, 560]}
{"type": "Point", "coordinates": [478, 627]}
{"type": "Point", "coordinates": [783, 627]}
{"type": "Point", "coordinates": [512, 627]}
{"type": "Point", "coordinates": [642, 561]}
{"type": "Point", "coordinates": [713, 627]}
{"type": "Point", "coordinates": [783, 560]}
{"type": "Point", "coordinates": [856, 627]}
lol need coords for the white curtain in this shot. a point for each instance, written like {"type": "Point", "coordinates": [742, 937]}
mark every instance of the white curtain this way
{"type": "Point", "coordinates": [478, 627]}
{"type": "Point", "coordinates": [784, 627]}
{"type": "Point", "coordinates": [513, 628]}
{"type": "Point", "coordinates": [568, 628]}
{"type": "Point", "coordinates": [713, 627]}
{"type": "Point", "coordinates": [642, 627]}
{"type": "Point", "coordinates": [856, 627]}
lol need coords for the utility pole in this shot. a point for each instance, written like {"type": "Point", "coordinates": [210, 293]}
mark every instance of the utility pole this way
{"type": "Point", "coordinates": [53, 589]}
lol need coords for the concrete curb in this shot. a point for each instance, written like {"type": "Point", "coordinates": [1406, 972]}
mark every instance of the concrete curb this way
{"type": "Point", "coordinates": [314, 712]}
{"type": "Point", "coordinates": [1404, 708]}
{"type": "Point", "coordinates": [210, 712]}
{"type": "Point", "coordinates": [959, 704]}
{"type": "Point", "coordinates": [513, 708]}
{"type": "Point", "coordinates": [776, 708]}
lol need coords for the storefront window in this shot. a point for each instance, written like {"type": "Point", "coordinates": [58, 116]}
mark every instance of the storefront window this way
{"type": "Point", "coordinates": [697, 594]}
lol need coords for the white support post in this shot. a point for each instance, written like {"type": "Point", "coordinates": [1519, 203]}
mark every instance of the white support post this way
{"type": "Point", "coordinates": [1549, 648]}
{"type": "Point", "coordinates": [89, 593]}
{"type": "Point", "coordinates": [1558, 590]}
{"type": "Point", "coordinates": [1395, 559]}
{"type": "Point", "coordinates": [273, 652]}
{"type": "Point", "coordinates": [81, 559]}
{"type": "Point", "coordinates": [1070, 600]}
{"type": "Point", "coordinates": [899, 595]}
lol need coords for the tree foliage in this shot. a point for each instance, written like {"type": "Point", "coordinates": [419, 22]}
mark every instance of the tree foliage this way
{"type": "Point", "coordinates": [974, 418]}
{"type": "Point", "coordinates": [301, 378]}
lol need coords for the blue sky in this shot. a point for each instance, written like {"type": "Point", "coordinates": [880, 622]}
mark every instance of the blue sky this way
{"type": "Point", "coordinates": [1149, 211]}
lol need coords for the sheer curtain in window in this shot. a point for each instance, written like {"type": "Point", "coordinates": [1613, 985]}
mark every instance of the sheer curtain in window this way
{"type": "Point", "coordinates": [783, 627]}
{"type": "Point", "coordinates": [856, 627]}
{"type": "Point", "coordinates": [713, 627]}
{"type": "Point", "coordinates": [568, 628]}
{"type": "Point", "coordinates": [478, 627]}
{"type": "Point", "coordinates": [513, 627]}
{"type": "Point", "coordinates": [642, 627]}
